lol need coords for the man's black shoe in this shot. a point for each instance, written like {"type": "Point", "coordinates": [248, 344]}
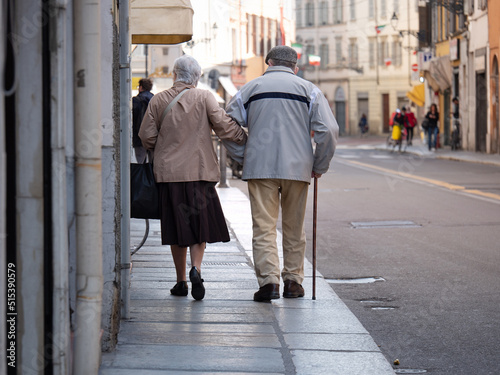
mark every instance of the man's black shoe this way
{"type": "Point", "coordinates": [293, 289]}
{"type": "Point", "coordinates": [267, 293]}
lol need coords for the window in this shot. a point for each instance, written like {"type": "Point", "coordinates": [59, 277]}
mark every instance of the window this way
{"type": "Point", "coordinates": [352, 9]}
{"type": "Point", "coordinates": [250, 34]}
{"type": "Point", "coordinates": [310, 14]}
{"type": "Point", "coordinates": [337, 12]}
{"type": "Point", "coordinates": [383, 8]}
{"type": "Point", "coordinates": [258, 36]}
{"type": "Point", "coordinates": [323, 54]}
{"type": "Point", "coordinates": [353, 54]}
{"type": "Point", "coordinates": [371, 9]}
{"type": "Point", "coordinates": [165, 51]}
{"type": "Point", "coordinates": [273, 36]}
{"type": "Point", "coordinates": [298, 13]}
{"type": "Point", "coordinates": [397, 52]}
{"type": "Point", "coordinates": [453, 22]}
{"type": "Point", "coordinates": [338, 51]}
{"type": "Point", "coordinates": [383, 53]}
{"type": "Point", "coordinates": [371, 52]}
{"type": "Point", "coordinates": [309, 50]}
{"type": "Point", "coordinates": [323, 13]}
{"type": "Point", "coordinates": [265, 36]}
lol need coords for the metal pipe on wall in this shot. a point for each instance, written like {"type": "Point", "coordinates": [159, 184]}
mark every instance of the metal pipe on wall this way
{"type": "Point", "coordinates": [3, 174]}
{"type": "Point", "coordinates": [60, 256]}
{"type": "Point", "coordinates": [88, 185]}
{"type": "Point", "coordinates": [125, 124]}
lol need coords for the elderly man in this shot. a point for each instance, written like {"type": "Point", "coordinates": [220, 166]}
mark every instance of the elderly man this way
{"type": "Point", "coordinates": [281, 112]}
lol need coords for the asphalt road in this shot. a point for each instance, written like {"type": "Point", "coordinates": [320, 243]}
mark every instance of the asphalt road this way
{"type": "Point", "coordinates": [438, 306]}
{"type": "Point", "coordinates": [427, 232]}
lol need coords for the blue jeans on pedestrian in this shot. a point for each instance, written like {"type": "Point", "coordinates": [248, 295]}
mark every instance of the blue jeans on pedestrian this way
{"type": "Point", "coordinates": [432, 137]}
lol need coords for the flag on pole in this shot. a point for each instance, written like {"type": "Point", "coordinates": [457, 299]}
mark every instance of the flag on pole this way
{"type": "Point", "coordinates": [314, 60]}
{"type": "Point", "coordinates": [298, 48]}
{"type": "Point", "coordinates": [379, 28]}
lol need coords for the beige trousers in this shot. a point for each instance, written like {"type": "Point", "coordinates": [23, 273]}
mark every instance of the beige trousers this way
{"type": "Point", "coordinates": [265, 201]}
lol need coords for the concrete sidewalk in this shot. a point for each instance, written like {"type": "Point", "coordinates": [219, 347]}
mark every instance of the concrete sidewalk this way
{"type": "Point", "coordinates": [227, 332]}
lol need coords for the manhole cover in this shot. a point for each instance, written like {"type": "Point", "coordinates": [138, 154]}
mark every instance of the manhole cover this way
{"type": "Point", "coordinates": [385, 224]}
{"type": "Point", "coordinates": [355, 280]}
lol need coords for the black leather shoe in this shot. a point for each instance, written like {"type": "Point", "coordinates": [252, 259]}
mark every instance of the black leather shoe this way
{"type": "Point", "coordinates": [267, 293]}
{"type": "Point", "coordinates": [180, 289]}
{"type": "Point", "coordinates": [197, 288]}
{"type": "Point", "coordinates": [293, 289]}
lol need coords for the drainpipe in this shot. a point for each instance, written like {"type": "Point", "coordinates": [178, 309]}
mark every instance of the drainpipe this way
{"type": "Point", "coordinates": [88, 186]}
{"type": "Point", "coordinates": [60, 256]}
{"type": "Point", "coordinates": [3, 186]}
{"type": "Point", "coordinates": [125, 124]}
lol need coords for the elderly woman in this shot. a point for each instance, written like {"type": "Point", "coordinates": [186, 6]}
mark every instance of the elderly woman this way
{"type": "Point", "coordinates": [186, 169]}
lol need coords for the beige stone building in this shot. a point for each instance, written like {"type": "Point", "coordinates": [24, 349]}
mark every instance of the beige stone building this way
{"type": "Point", "coordinates": [368, 55]}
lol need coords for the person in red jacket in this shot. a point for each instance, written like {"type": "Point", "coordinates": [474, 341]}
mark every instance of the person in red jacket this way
{"type": "Point", "coordinates": [409, 123]}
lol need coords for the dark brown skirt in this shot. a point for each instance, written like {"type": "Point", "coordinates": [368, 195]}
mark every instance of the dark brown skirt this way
{"type": "Point", "coordinates": [191, 213]}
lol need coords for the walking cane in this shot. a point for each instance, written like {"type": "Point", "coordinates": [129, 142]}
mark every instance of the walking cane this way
{"type": "Point", "coordinates": [315, 214]}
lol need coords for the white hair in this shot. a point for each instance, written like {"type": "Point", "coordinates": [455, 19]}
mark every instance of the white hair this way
{"type": "Point", "coordinates": [187, 70]}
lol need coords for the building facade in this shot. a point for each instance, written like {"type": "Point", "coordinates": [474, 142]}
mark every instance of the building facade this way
{"type": "Point", "coordinates": [65, 121]}
{"type": "Point", "coordinates": [366, 50]}
{"type": "Point", "coordinates": [494, 46]}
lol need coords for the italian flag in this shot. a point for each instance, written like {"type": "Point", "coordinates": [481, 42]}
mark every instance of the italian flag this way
{"type": "Point", "coordinates": [379, 28]}
{"type": "Point", "coordinates": [298, 48]}
{"type": "Point", "coordinates": [314, 60]}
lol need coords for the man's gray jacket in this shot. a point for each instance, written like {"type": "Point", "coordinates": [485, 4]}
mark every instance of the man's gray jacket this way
{"type": "Point", "coordinates": [280, 110]}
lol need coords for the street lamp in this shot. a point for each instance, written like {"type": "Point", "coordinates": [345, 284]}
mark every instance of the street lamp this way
{"type": "Point", "coordinates": [417, 34]}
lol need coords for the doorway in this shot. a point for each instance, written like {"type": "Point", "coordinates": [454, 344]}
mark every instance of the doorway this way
{"type": "Point", "coordinates": [363, 109]}
{"type": "Point", "coordinates": [446, 118]}
{"type": "Point", "coordinates": [481, 112]}
{"type": "Point", "coordinates": [495, 143]}
{"type": "Point", "coordinates": [340, 113]}
{"type": "Point", "coordinates": [385, 113]}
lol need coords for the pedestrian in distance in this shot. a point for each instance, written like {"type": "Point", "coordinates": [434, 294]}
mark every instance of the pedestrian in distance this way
{"type": "Point", "coordinates": [397, 130]}
{"type": "Point", "coordinates": [139, 106]}
{"type": "Point", "coordinates": [455, 134]}
{"type": "Point", "coordinates": [409, 123]}
{"type": "Point", "coordinates": [186, 169]}
{"type": "Point", "coordinates": [363, 125]}
{"type": "Point", "coordinates": [280, 110]}
{"type": "Point", "coordinates": [433, 130]}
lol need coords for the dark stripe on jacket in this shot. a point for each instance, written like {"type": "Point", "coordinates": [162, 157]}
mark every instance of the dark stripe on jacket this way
{"type": "Point", "coordinates": [277, 95]}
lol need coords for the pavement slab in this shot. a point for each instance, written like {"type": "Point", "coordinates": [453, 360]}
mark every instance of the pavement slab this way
{"type": "Point", "coordinates": [227, 332]}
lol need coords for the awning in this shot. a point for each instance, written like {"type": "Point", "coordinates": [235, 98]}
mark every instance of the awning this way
{"type": "Point", "coordinates": [217, 97]}
{"type": "Point", "coordinates": [417, 95]}
{"type": "Point", "coordinates": [161, 21]}
{"type": "Point", "coordinates": [440, 69]}
{"type": "Point", "coordinates": [228, 86]}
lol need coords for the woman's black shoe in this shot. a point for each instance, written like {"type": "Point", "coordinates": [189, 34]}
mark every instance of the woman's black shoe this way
{"type": "Point", "coordinates": [197, 288]}
{"type": "Point", "coordinates": [180, 289]}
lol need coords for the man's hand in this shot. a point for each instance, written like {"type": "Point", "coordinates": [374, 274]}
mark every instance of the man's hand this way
{"type": "Point", "coordinates": [314, 174]}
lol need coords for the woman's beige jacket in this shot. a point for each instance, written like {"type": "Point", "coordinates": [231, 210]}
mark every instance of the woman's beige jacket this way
{"type": "Point", "coordinates": [182, 143]}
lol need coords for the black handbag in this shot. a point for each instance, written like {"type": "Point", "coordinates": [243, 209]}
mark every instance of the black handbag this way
{"type": "Point", "coordinates": [144, 196]}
